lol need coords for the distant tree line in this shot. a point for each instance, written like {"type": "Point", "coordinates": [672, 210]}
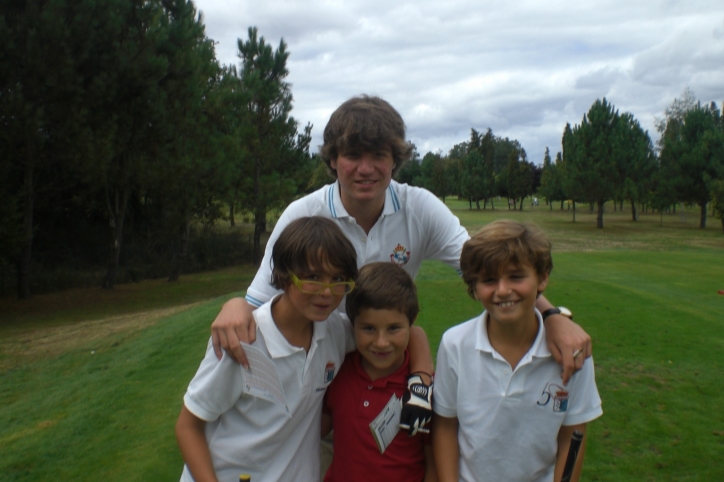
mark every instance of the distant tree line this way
{"type": "Point", "coordinates": [118, 124]}
{"type": "Point", "coordinates": [483, 169]}
{"type": "Point", "coordinates": [607, 157]}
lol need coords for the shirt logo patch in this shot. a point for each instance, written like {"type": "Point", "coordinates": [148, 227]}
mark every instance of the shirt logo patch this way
{"type": "Point", "coordinates": [400, 255]}
{"type": "Point", "coordinates": [558, 394]}
{"type": "Point", "coordinates": [329, 372]}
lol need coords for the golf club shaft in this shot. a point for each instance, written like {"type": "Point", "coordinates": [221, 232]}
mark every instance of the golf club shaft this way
{"type": "Point", "coordinates": [575, 446]}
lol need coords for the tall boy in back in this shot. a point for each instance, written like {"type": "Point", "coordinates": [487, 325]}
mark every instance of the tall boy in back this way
{"type": "Point", "coordinates": [231, 422]}
{"type": "Point", "coordinates": [364, 147]}
{"type": "Point", "coordinates": [382, 309]}
{"type": "Point", "coordinates": [501, 409]}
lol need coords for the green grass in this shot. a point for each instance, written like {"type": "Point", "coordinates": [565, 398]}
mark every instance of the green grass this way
{"type": "Point", "coordinates": [658, 329]}
{"type": "Point", "coordinates": [103, 411]}
{"type": "Point", "coordinates": [85, 397]}
{"type": "Point", "coordinates": [88, 397]}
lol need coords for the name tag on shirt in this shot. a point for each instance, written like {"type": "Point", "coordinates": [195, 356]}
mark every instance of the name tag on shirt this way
{"type": "Point", "coordinates": [261, 378]}
{"type": "Point", "coordinates": [386, 425]}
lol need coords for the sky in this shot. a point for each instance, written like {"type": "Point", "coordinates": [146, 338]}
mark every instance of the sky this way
{"type": "Point", "coordinates": [521, 68]}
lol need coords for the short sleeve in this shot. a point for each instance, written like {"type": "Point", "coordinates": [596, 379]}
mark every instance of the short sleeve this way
{"type": "Point", "coordinates": [444, 400]}
{"type": "Point", "coordinates": [444, 233]}
{"type": "Point", "coordinates": [584, 401]}
{"type": "Point", "coordinates": [216, 387]}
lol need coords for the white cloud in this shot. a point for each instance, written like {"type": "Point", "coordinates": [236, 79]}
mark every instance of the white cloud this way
{"type": "Point", "coordinates": [523, 69]}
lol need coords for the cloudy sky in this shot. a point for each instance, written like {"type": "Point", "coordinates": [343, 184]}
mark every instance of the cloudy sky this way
{"type": "Point", "coordinates": [521, 68]}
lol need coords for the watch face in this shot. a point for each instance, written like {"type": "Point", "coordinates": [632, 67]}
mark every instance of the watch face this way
{"type": "Point", "coordinates": [565, 311]}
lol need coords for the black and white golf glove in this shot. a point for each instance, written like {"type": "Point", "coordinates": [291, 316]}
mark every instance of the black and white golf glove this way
{"type": "Point", "coordinates": [416, 406]}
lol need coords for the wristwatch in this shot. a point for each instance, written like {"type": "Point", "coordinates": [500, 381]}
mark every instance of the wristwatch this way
{"type": "Point", "coordinates": [561, 310]}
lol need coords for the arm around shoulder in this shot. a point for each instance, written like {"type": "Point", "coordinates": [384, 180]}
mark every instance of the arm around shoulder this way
{"type": "Point", "coordinates": [234, 324]}
{"type": "Point", "coordinates": [417, 400]}
{"type": "Point", "coordinates": [443, 231]}
{"type": "Point", "coordinates": [420, 354]}
{"type": "Point", "coordinates": [564, 338]}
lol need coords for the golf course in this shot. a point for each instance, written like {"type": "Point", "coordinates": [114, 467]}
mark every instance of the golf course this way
{"type": "Point", "coordinates": [92, 380]}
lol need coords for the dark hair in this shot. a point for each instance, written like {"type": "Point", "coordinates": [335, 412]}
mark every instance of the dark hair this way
{"type": "Point", "coordinates": [503, 243]}
{"type": "Point", "coordinates": [365, 123]}
{"type": "Point", "coordinates": [383, 286]}
{"type": "Point", "coordinates": [311, 242]}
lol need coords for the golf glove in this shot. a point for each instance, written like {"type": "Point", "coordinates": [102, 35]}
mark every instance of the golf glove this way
{"type": "Point", "coordinates": [416, 406]}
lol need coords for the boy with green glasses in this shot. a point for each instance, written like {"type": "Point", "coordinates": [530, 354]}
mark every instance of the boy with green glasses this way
{"type": "Point", "coordinates": [265, 420]}
{"type": "Point", "coordinates": [314, 287]}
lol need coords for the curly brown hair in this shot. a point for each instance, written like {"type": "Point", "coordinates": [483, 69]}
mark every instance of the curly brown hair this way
{"type": "Point", "coordinates": [365, 123]}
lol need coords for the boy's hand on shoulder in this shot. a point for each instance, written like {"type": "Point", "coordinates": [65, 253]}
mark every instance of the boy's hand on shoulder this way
{"type": "Point", "coordinates": [565, 339]}
{"type": "Point", "coordinates": [416, 405]}
{"type": "Point", "coordinates": [234, 323]}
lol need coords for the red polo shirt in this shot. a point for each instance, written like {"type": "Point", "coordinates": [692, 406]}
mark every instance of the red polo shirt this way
{"type": "Point", "coordinates": [353, 401]}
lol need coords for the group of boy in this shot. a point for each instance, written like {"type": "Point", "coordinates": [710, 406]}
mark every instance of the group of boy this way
{"type": "Point", "coordinates": [502, 407]}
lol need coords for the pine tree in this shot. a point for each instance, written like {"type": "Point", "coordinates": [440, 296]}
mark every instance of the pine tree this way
{"type": "Point", "coordinates": [693, 153]}
{"type": "Point", "coordinates": [278, 156]}
{"type": "Point", "coordinates": [590, 156]}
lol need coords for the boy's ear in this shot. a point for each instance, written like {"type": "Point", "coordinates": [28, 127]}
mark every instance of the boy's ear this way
{"type": "Point", "coordinates": [542, 282]}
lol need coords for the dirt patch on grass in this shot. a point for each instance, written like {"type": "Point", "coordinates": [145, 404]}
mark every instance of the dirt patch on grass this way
{"type": "Point", "coordinates": [24, 346]}
{"type": "Point", "coordinates": [7, 441]}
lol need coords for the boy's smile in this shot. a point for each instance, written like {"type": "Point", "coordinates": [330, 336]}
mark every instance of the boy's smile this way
{"type": "Point", "coordinates": [382, 337]}
{"type": "Point", "coordinates": [510, 296]}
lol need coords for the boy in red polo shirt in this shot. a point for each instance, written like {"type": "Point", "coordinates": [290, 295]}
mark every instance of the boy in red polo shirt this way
{"type": "Point", "coordinates": [363, 402]}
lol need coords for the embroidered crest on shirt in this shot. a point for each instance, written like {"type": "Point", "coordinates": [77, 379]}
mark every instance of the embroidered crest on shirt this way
{"type": "Point", "coordinates": [557, 394]}
{"type": "Point", "coordinates": [329, 372]}
{"type": "Point", "coordinates": [400, 255]}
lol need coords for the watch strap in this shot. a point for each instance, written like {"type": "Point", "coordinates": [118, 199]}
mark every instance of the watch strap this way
{"type": "Point", "coordinates": [549, 312]}
{"type": "Point", "coordinates": [561, 310]}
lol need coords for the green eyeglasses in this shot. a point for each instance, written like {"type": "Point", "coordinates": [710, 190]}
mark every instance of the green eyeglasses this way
{"type": "Point", "coordinates": [316, 287]}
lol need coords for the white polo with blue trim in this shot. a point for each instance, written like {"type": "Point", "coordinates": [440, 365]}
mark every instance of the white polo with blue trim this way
{"type": "Point", "coordinates": [509, 419]}
{"type": "Point", "coordinates": [414, 226]}
{"type": "Point", "coordinates": [250, 432]}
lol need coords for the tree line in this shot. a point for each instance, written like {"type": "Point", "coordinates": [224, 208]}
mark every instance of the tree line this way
{"type": "Point", "coordinates": [118, 123]}
{"type": "Point", "coordinates": [485, 168]}
{"type": "Point", "coordinates": [119, 127]}
{"type": "Point", "coordinates": [607, 157]}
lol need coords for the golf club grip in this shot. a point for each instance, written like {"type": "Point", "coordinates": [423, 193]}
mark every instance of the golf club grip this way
{"type": "Point", "coordinates": [576, 440]}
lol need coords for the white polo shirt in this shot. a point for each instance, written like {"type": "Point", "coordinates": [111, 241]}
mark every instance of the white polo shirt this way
{"type": "Point", "coordinates": [250, 434]}
{"type": "Point", "coordinates": [414, 226]}
{"type": "Point", "coordinates": [508, 419]}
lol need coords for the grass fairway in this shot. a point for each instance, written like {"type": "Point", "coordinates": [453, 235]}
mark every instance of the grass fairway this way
{"type": "Point", "coordinates": [658, 339]}
{"type": "Point", "coordinates": [104, 411]}
{"type": "Point", "coordinates": [657, 334]}
{"type": "Point", "coordinates": [88, 397]}
{"type": "Point", "coordinates": [92, 380]}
